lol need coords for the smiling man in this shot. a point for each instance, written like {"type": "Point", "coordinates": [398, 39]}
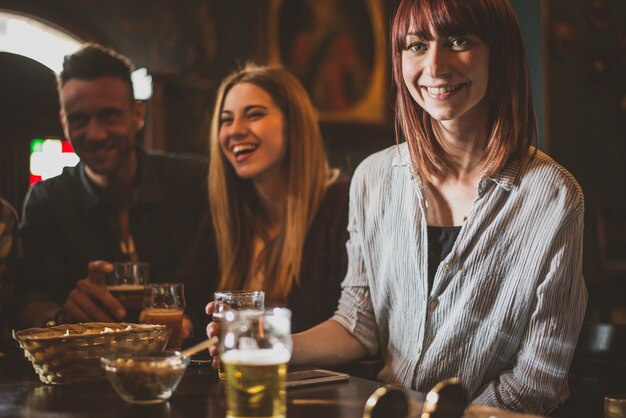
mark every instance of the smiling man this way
{"type": "Point", "coordinates": [120, 203]}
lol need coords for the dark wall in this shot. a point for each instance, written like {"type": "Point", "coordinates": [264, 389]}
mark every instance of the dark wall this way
{"type": "Point", "coordinates": [587, 84]}
{"type": "Point", "coordinates": [586, 80]}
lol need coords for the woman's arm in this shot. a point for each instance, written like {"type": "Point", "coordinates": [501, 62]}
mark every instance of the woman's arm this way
{"type": "Point", "coordinates": [327, 344]}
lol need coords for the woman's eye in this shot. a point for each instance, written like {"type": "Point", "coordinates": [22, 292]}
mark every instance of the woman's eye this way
{"type": "Point", "coordinates": [459, 43]}
{"type": "Point", "coordinates": [416, 47]}
{"type": "Point", "coordinates": [225, 120]}
{"type": "Point", "coordinates": [256, 115]}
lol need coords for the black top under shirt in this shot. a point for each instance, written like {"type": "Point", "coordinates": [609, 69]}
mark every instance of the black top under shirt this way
{"type": "Point", "coordinates": [440, 242]}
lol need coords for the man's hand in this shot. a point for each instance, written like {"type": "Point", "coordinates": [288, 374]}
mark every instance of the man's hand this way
{"type": "Point", "coordinates": [90, 300]}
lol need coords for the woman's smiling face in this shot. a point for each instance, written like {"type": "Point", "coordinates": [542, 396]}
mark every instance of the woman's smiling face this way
{"type": "Point", "coordinates": [252, 132]}
{"type": "Point", "coordinates": [447, 76]}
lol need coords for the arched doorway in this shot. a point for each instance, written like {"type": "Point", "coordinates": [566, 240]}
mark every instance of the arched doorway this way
{"type": "Point", "coordinates": [29, 108]}
{"type": "Point", "coordinates": [30, 53]}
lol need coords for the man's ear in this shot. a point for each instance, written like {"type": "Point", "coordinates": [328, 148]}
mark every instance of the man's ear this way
{"type": "Point", "coordinates": [63, 120]}
{"type": "Point", "coordinates": [140, 114]}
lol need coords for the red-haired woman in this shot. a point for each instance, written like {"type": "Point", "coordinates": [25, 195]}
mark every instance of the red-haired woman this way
{"type": "Point", "coordinates": [465, 251]}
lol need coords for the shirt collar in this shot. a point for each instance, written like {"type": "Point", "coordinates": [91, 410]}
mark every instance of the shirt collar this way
{"type": "Point", "coordinates": [505, 178]}
{"type": "Point", "coordinates": [402, 157]}
{"type": "Point", "coordinates": [147, 191]}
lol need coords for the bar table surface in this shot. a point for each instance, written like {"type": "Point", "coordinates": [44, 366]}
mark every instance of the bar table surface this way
{"type": "Point", "coordinates": [200, 394]}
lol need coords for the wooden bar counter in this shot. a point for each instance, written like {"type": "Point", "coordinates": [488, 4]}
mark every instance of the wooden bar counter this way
{"type": "Point", "coordinates": [200, 394]}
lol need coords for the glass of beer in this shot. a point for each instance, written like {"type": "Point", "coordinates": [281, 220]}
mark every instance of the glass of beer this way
{"type": "Point", "coordinates": [235, 300]}
{"type": "Point", "coordinates": [255, 349]}
{"type": "Point", "coordinates": [126, 285]}
{"type": "Point", "coordinates": [164, 304]}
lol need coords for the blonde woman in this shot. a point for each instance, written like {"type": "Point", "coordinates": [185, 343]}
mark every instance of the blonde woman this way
{"type": "Point", "coordinates": [278, 214]}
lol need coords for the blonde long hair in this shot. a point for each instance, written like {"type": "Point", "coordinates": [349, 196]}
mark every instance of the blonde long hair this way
{"type": "Point", "coordinates": [233, 201]}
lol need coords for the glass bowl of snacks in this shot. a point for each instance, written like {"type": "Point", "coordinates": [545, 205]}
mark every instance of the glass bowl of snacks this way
{"type": "Point", "coordinates": [145, 379]}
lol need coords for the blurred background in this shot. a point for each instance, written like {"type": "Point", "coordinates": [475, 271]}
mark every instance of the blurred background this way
{"type": "Point", "coordinates": [339, 49]}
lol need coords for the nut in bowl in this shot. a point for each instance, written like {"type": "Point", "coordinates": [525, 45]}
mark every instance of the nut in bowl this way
{"type": "Point", "coordinates": [145, 379]}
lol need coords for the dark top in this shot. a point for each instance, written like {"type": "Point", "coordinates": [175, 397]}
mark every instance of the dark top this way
{"type": "Point", "coordinates": [67, 224]}
{"type": "Point", "coordinates": [440, 242]}
{"type": "Point", "coordinates": [324, 265]}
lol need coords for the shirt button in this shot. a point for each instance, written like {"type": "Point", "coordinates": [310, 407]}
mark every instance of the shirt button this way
{"type": "Point", "coordinates": [447, 266]}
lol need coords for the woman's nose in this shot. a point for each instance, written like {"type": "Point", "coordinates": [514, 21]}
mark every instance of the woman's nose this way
{"type": "Point", "coordinates": [237, 129]}
{"type": "Point", "coordinates": [437, 62]}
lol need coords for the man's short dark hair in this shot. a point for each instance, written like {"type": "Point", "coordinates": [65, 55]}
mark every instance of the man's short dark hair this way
{"type": "Point", "coordinates": [94, 61]}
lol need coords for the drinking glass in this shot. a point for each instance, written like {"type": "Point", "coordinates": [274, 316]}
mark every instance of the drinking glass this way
{"type": "Point", "coordinates": [235, 300]}
{"type": "Point", "coordinates": [126, 285]}
{"type": "Point", "coordinates": [615, 406]}
{"type": "Point", "coordinates": [255, 349]}
{"type": "Point", "coordinates": [164, 304]}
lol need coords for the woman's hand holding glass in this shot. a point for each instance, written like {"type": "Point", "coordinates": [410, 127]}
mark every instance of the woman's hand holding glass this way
{"type": "Point", "coordinates": [212, 330]}
{"type": "Point", "coordinates": [230, 300]}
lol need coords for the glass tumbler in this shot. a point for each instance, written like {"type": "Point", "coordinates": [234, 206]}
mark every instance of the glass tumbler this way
{"type": "Point", "coordinates": [235, 300]}
{"type": "Point", "coordinates": [164, 304]}
{"type": "Point", "coordinates": [126, 284]}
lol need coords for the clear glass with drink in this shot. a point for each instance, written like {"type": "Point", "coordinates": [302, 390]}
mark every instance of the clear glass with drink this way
{"type": "Point", "coordinates": [126, 284]}
{"type": "Point", "coordinates": [615, 406]}
{"type": "Point", "coordinates": [235, 300]}
{"type": "Point", "coordinates": [164, 304]}
{"type": "Point", "coordinates": [255, 349]}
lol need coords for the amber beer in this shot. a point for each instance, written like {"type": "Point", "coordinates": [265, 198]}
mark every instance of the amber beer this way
{"type": "Point", "coordinates": [131, 298]}
{"type": "Point", "coordinates": [173, 318]}
{"type": "Point", "coordinates": [255, 383]}
{"type": "Point", "coordinates": [164, 304]}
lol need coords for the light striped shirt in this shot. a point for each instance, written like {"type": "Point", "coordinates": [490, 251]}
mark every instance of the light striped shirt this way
{"type": "Point", "coordinates": [508, 301]}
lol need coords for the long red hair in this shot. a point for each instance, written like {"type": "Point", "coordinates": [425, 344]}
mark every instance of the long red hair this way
{"type": "Point", "coordinates": [512, 125]}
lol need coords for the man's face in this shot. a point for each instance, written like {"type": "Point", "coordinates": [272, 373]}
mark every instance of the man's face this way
{"type": "Point", "coordinates": [101, 120]}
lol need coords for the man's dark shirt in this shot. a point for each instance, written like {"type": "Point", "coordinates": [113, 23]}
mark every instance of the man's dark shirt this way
{"type": "Point", "coordinates": [66, 224]}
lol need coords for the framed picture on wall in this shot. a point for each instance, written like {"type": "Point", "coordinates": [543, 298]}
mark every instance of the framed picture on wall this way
{"type": "Point", "coordinates": [337, 49]}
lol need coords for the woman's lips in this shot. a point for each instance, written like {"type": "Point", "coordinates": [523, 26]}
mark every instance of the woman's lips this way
{"type": "Point", "coordinates": [442, 92]}
{"type": "Point", "coordinates": [242, 152]}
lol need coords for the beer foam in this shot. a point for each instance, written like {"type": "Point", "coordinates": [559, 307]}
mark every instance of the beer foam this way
{"type": "Point", "coordinates": [260, 357]}
{"type": "Point", "coordinates": [125, 287]}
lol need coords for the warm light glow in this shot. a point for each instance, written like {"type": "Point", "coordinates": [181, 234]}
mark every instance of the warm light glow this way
{"type": "Point", "coordinates": [142, 84]}
{"type": "Point", "coordinates": [30, 38]}
{"type": "Point", "coordinates": [45, 44]}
